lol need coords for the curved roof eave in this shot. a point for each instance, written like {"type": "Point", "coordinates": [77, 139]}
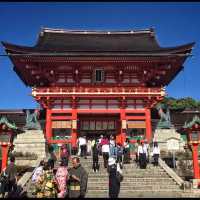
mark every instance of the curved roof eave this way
{"type": "Point", "coordinates": [170, 50]}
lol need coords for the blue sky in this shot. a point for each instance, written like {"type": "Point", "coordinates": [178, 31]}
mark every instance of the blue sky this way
{"type": "Point", "coordinates": [174, 23]}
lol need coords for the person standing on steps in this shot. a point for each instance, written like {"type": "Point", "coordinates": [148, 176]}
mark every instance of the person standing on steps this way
{"type": "Point", "coordinates": [37, 173]}
{"type": "Point", "coordinates": [114, 182]}
{"type": "Point", "coordinates": [51, 157]}
{"type": "Point", "coordinates": [120, 151]}
{"type": "Point", "coordinates": [137, 144]}
{"type": "Point", "coordinates": [147, 150]}
{"type": "Point", "coordinates": [127, 156]}
{"type": "Point", "coordinates": [61, 179]}
{"type": "Point", "coordinates": [142, 156]}
{"type": "Point", "coordinates": [95, 156]}
{"type": "Point", "coordinates": [64, 155]}
{"type": "Point", "coordinates": [105, 150]}
{"type": "Point", "coordinates": [83, 146]}
{"type": "Point", "coordinates": [99, 144]}
{"type": "Point", "coordinates": [113, 150]}
{"type": "Point", "coordinates": [78, 178]}
{"type": "Point", "coordinates": [156, 153]}
{"type": "Point", "coordinates": [47, 187]}
{"type": "Point", "coordinates": [89, 147]}
{"type": "Point", "coordinates": [11, 171]}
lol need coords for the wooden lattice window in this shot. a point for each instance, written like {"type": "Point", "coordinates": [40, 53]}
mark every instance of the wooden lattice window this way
{"type": "Point", "coordinates": [99, 75]}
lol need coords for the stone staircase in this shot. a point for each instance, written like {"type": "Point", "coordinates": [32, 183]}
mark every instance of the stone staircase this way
{"type": "Point", "coordinates": [151, 182]}
{"type": "Point", "coordinates": [32, 141]}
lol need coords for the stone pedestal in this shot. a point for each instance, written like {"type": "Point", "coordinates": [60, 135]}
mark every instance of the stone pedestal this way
{"type": "Point", "coordinates": [195, 183]}
{"type": "Point", "coordinates": [169, 139]}
{"type": "Point", "coordinates": [32, 141]}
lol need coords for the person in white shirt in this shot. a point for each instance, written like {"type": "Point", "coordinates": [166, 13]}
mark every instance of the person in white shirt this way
{"type": "Point", "coordinates": [146, 147]}
{"type": "Point", "coordinates": [105, 150]}
{"type": "Point", "coordinates": [156, 153]}
{"type": "Point", "coordinates": [127, 156]}
{"type": "Point", "coordinates": [142, 156]}
{"type": "Point", "coordinates": [89, 146]}
{"type": "Point", "coordinates": [83, 146]}
{"type": "Point", "coordinates": [99, 145]}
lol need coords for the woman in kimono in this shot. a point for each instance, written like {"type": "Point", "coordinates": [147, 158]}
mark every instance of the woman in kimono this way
{"type": "Point", "coordinates": [61, 179]}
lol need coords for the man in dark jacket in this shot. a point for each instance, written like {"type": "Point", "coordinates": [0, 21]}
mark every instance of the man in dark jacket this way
{"type": "Point", "coordinates": [11, 171]}
{"type": "Point", "coordinates": [114, 183]}
{"type": "Point", "coordinates": [78, 178]}
{"type": "Point", "coordinates": [95, 157]}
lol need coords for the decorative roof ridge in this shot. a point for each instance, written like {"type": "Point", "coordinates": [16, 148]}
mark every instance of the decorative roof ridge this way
{"type": "Point", "coordinates": [195, 120]}
{"type": "Point", "coordinates": [71, 31]}
{"type": "Point", "coordinates": [11, 125]}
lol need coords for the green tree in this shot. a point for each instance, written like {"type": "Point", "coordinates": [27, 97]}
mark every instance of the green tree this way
{"type": "Point", "coordinates": [182, 103]}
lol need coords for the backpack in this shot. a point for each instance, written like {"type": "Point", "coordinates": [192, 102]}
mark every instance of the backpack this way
{"type": "Point", "coordinates": [119, 151]}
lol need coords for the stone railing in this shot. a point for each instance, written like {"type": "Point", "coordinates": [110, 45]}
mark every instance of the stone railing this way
{"type": "Point", "coordinates": [171, 173]}
{"type": "Point", "coordinates": [24, 180]}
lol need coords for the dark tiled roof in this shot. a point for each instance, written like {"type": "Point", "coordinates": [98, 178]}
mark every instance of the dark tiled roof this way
{"type": "Point", "coordinates": [98, 42]}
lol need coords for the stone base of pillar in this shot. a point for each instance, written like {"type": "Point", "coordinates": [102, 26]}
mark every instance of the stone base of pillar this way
{"type": "Point", "coordinates": [164, 137]}
{"type": "Point", "coordinates": [32, 141]}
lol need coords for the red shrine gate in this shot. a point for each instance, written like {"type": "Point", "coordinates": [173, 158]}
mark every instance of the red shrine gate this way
{"type": "Point", "coordinates": [110, 108]}
{"type": "Point", "coordinates": [97, 82]}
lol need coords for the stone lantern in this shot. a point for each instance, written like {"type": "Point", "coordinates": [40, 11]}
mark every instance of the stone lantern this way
{"type": "Point", "coordinates": [7, 132]}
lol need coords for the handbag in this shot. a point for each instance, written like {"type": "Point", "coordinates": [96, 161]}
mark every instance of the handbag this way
{"type": "Point", "coordinates": [119, 177]}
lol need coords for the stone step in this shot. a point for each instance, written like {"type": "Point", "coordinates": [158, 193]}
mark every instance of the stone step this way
{"type": "Point", "coordinates": [29, 137]}
{"type": "Point", "coordinates": [126, 171]}
{"type": "Point", "coordinates": [132, 192]}
{"type": "Point", "coordinates": [142, 188]}
{"type": "Point", "coordinates": [29, 141]}
{"type": "Point", "coordinates": [100, 173]}
{"type": "Point", "coordinates": [125, 177]}
{"type": "Point", "coordinates": [131, 179]}
{"type": "Point", "coordinates": [126, 183]}
{"type": "Point", "coordinates": [30, 149]}
{"type": "Point", "coordinates": [132, 165]}
{"type": "Point", "coordinates": [38, 148]}
{"type": "Point", "coordinates": [139, 194]}
{"type": "Point", "coordinates": [134, 181]}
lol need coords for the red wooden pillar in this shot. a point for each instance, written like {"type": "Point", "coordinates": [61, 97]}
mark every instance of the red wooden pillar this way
{"type": "Point", "coordinates": [4, 150]}
{"type": "Point", "coordinates": [148, 124]}
{"type": "Point", "coordinates": [195, 161]}
{"type": "Point", "coordinates": [74, 128]}
{"type": "Point", "coordinates": [48, 124]}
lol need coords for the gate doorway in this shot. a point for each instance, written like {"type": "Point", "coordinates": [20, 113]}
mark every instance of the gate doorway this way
{"type": "Point", "coordinates": [94, 125]}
